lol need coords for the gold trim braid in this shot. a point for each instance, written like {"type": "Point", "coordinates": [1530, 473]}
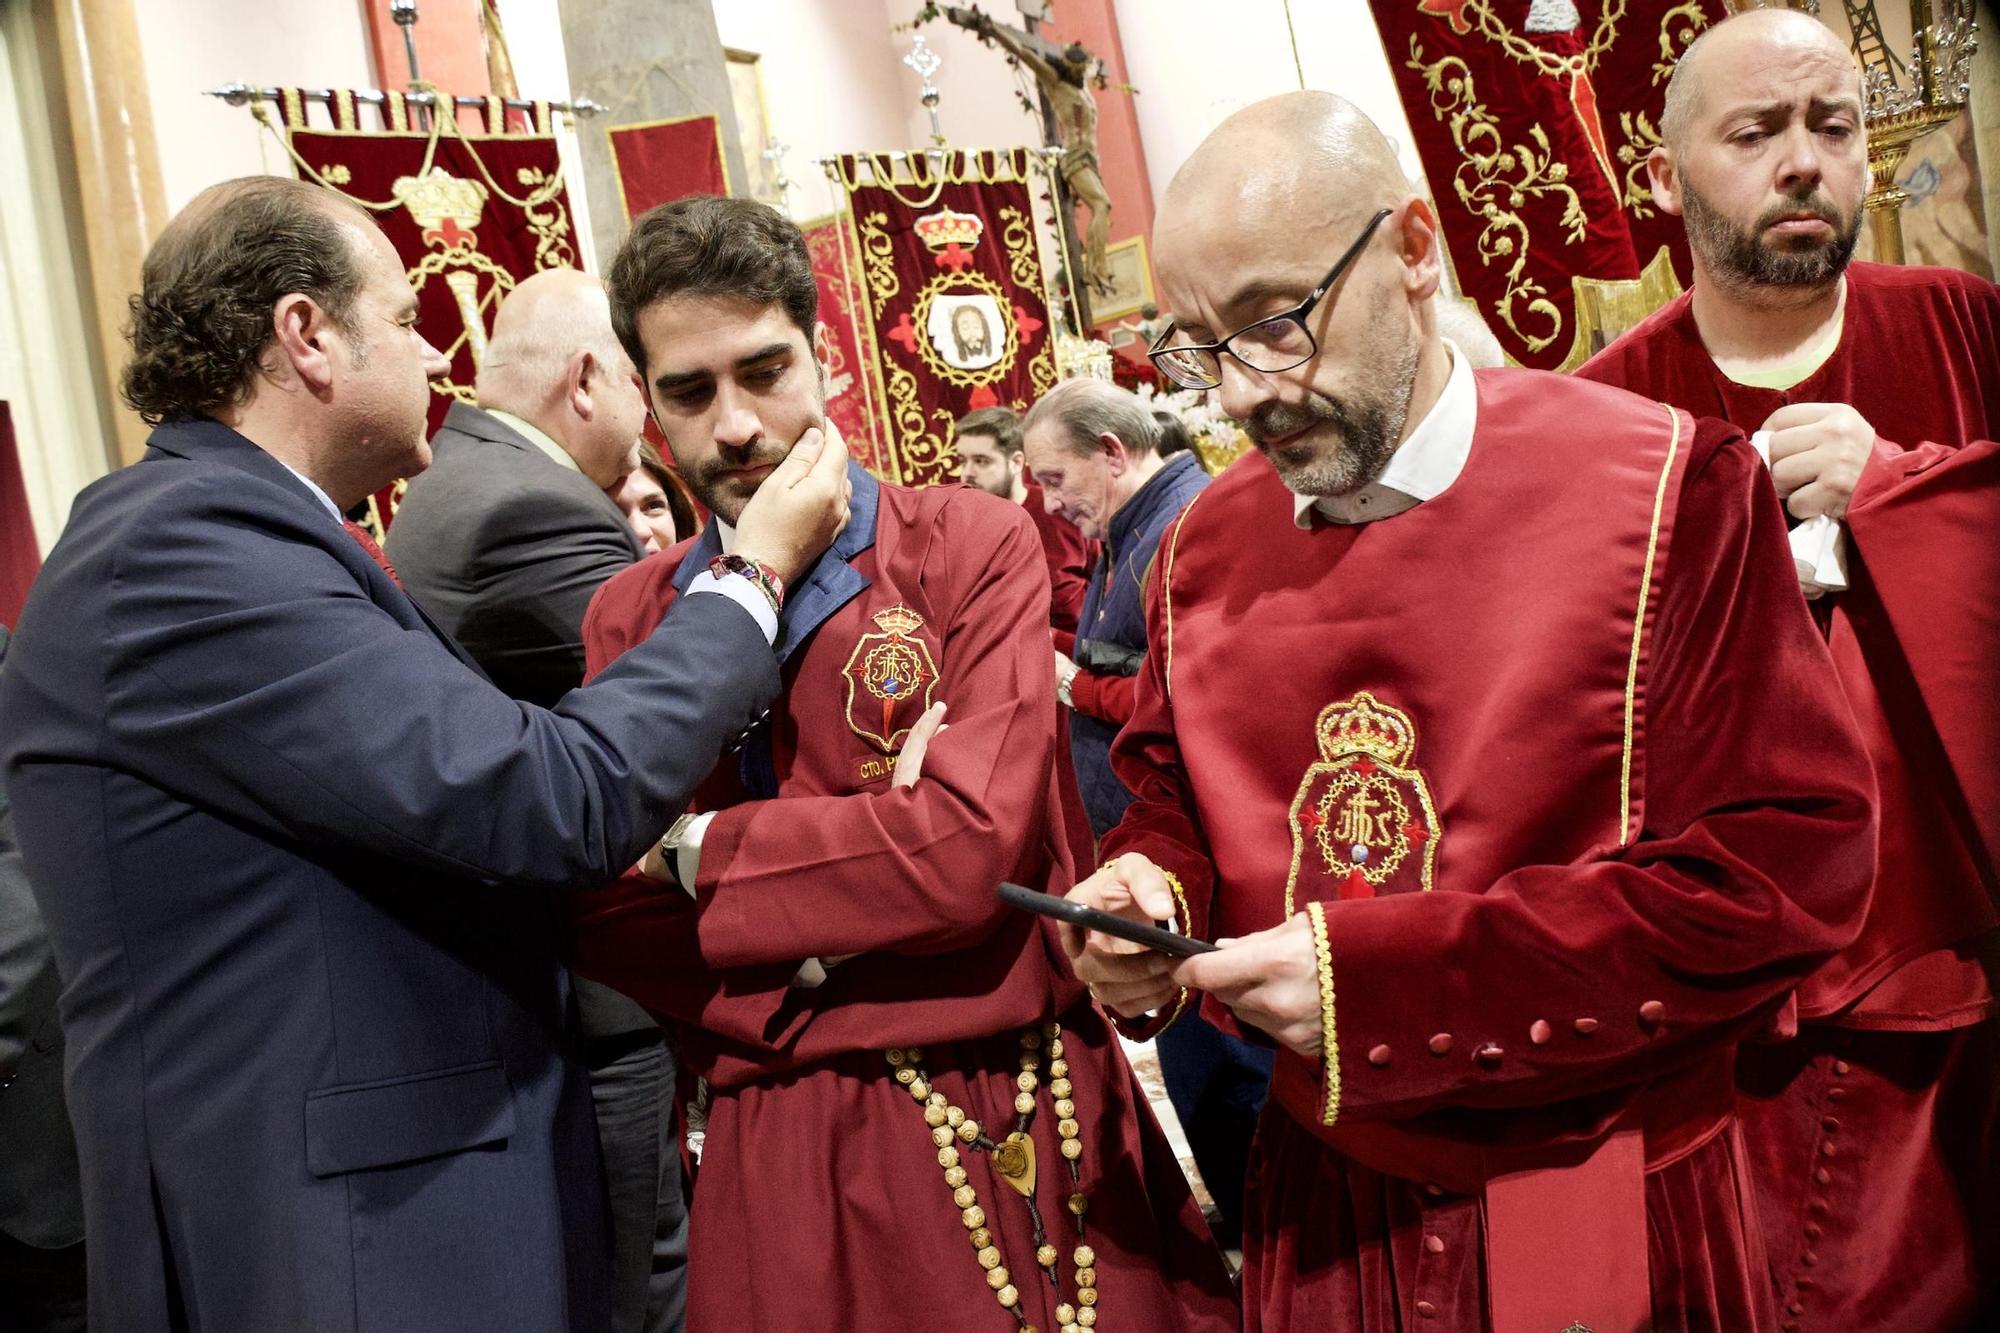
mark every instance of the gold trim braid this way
{"type": "Point", "coordinates": [1329, 1031]}
{"type": "Point", "coordinates": [1180, 901]}
{"type": "Point", "coordinates": [1167, 593]}
{"type": "Point", "coordinates": [1639, 628]}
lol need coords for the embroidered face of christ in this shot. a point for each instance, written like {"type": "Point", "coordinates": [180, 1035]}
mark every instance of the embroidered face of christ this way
{"type": "Point", "coordinates": [1765, 155]}
{"type": "Point", "coordinates": [1248, 228]}
{"type": "Point", "coordinates": [970, 334]}
{"type": "Point", "coordinates": [733, 385]}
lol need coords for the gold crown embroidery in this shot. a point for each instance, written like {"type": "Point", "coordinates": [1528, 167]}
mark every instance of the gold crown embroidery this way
{"type": "Point", "coordinates": [1362, 810]}
{"type": "Point", "coordinates": [890, 679]}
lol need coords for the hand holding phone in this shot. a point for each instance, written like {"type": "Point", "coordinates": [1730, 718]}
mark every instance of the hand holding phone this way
{"type": "Point", "coordinates": [1090, 918]}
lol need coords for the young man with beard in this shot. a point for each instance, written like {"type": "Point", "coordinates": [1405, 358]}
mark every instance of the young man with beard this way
{"type": "Point", "coordinates": [1886, 1099]}
{"type": "Point", "coordinates": [988, 443]}
{"type": "Point", "coordinates": [916, 1116]}
{"type": "Point", "coordinates": [1476, 722]}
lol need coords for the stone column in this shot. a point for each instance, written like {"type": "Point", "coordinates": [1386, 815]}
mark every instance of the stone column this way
{"type": "Point", "coordinates": [117, 175]}
{"type": "Point", "coordinates": [643, 60]}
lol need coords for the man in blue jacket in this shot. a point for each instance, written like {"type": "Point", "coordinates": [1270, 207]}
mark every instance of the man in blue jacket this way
{"type": "Point", "coordinates": [1094, 449]}
{"type": "Point", "coordinates": [295, 852]}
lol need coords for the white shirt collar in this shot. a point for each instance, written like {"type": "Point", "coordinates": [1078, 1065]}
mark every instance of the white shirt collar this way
{"type": "Point", "coordinates": [728, 536]}
{"type": "Point", "coordinates": [313, 486]}
{"type": "Point", "coordinates": [1423, 467]}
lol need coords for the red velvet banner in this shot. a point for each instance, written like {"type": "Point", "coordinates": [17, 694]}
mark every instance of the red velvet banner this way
{"type": "Point", "coordinates": [20, 556]}
{"type": "Point", "coordinates": [853, 394]}
{"type": "Point", "coordinates": [1533, 125]}
{"type": "Point", "coordinates": [951, 275]}
{"type": "Point", "coordinates": [470, 216]}
{"type": "Point", "coordinates": [659, 161]}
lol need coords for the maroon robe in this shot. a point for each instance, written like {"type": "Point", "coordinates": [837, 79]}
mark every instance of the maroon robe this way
{"type": "Point", "coordinates": [821, 1203]}
{"type": "Point", "coordinates": [1905, 1220]}
{"type": "Point", "coordinates": [1613, 812]}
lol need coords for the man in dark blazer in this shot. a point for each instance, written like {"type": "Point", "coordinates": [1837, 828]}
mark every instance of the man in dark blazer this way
{"type": "Point", "coordinates": [294, 850]}
{"type": "Point", "coordinates": [503, 540]}
{"type": "Point", "coordinates": [41, 1204]}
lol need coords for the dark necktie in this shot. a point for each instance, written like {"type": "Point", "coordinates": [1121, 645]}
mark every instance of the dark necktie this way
{"type": "Point", "coordinates": [370, 545]}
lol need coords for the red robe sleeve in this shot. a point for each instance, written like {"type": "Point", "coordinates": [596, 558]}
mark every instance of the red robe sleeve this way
{"type": "Point", "coordinates": [1921, 523]}
{"type": "Point", "coordinates": [913, 869]}
{"type": "Point", "coordinates": [1106, 698]}
{"type": "Point", "coordinates": [637, 935]}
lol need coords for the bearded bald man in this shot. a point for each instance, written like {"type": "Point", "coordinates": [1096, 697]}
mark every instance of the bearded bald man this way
{"type": "Point", "coordinates": [1473, 724]}
{"type": "Point", "coordinates": [1872, 1134]}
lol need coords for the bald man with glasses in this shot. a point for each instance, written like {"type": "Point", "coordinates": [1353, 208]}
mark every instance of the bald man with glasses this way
{"type": "Point", "coordinates": [1475, 727]}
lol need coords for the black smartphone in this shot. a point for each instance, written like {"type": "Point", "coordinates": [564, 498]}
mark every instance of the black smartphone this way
{"type": "Point", "coordinates": [1062, 909]}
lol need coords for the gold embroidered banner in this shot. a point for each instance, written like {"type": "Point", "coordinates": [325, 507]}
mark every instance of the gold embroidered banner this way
{"type": "Point", "coordinates": [853, 391]}
{"type": "Point", "coordinates": [470, 215]}
{"type": "Point", "coordinates": [952, 296]}
{"type": "Point", "coordinates": [1534, 122]}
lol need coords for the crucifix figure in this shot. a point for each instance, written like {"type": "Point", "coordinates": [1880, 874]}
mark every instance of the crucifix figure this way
{"type": "Point", "coordinates": [1063, 75]}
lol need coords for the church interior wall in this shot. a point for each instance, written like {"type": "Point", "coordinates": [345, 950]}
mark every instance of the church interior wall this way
{"type": "Point", "coordinates": [194, 45]}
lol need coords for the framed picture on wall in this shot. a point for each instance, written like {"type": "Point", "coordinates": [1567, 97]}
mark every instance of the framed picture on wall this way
{"type": "Point", "coordinates": [1131, 279]}
{"type": "Point", "coordinates": [753, 124]}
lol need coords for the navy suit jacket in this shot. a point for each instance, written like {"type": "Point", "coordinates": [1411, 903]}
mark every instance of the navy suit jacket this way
{"type": "Point", "coordinates": [295, 856]}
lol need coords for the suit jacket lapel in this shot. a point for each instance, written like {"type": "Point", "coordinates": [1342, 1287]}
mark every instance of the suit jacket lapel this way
{"type": "Point", "coordinates": [211, 441]}
{"type": "Point", "coordinates": [834, 582]}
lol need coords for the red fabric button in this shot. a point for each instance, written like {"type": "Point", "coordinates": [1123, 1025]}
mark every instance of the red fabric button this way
{"type": "Point", "coordinates": [1809, 1258]}
{"type": "Point", "coordinates": [1440, 1043]}
{"type": "Point", "coordinates": [1841, 1066]}
{"type": "Point", "coordinates": [1379, 1056]}
{"type": "Point", "coordinates": [1651, 1012]}
{"type": "Point", "coordinates": [1836, 1094]}
{"type": "Point", "coordinates": [1539, 1032]}
{"type": "Point", "coordinates": [1795, 1308]}
{"type": "Point", "coordinates": [1823, 1176]}
{"type": "Point", "coordinates": [1426, 1309]}
{"type": "Point", "coordinates": [1489, 1055]}
{"type": "Point", "coordinates": [1812, 1231]}
{"type": "Point", "coordinates": [1828, 1150]}
{"type": "Point", "coordinates": [1585, 1026]}
{"type": "Point", "coordinates": [1435, 1244]}
{"type": "Point", "coordinates": [1829, 1124]}
{"type": "Point", "coordinates": [1433, 1190]}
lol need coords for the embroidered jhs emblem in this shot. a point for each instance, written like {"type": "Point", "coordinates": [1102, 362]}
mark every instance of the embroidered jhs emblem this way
{"type": "Point", "coordinates": [890, 679]}
{"type": "Point", "coordinates": [1363, 817]}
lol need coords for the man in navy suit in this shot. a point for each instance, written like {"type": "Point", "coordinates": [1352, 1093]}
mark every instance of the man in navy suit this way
{"type": "Point", "coordinates": [295, 852]}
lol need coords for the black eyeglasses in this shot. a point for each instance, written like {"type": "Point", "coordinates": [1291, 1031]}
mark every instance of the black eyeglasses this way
{"type": "Point", "coordinates": [1277, 342]}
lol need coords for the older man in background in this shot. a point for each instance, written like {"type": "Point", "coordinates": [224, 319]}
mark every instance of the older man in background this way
{"type": "Point", "coordinates": [508, 533]}
{"type": "Point", "coordinates": [1093, 448]}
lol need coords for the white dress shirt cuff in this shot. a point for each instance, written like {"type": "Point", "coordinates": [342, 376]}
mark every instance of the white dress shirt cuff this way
{"type": "Point", "coordinates": [687, 856]}
{"type": "Point", "coordinates": [742, 592]}
{"type": "Point", "coordinates": [1819, 546]}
